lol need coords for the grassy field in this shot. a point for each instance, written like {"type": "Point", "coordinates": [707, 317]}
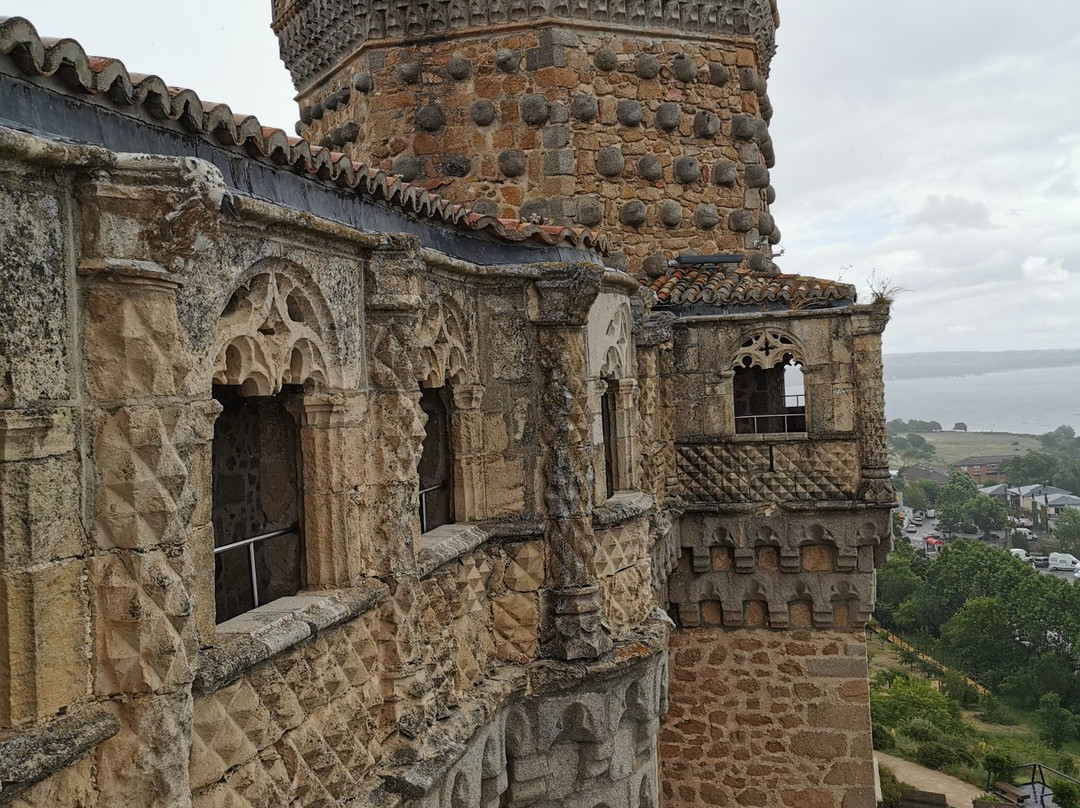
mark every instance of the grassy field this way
{"type": "Point", "coordinates": [952, 446]}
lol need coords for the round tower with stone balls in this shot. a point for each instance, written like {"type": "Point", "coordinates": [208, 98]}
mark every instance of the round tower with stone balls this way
{"type": "Point", "coordinates": [646, 120]}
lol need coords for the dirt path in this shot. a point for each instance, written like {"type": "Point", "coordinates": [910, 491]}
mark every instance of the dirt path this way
{"type": "Point", "coordinates": [957, 793]}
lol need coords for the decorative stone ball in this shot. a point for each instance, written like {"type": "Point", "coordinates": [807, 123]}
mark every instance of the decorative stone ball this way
{"type": "Point", "coordinates": [485, 207]}
{"type": "Point", "coordinates": [535, 210]}
{"type": "Point", "coordinates": [409, 71]}
{"type": "Point", "coordinates": [724, 172]}
{"type": "Point", "coordinates": [670, 213]}
{"type": "Point", "coordinates": [765, 223]}
{"type": "Point", "coordinates": [317, 111]}
{"type": "Point", "coordinates": [620, 261]}
{"type": "Point", "coordinates": [743, 127]}
{"type": "Point", "coordinates": [706, 217]}
{"type": "Point", "coordinates": [589, 211]}
{"type": "Point", "coordinates": [512, 162]}
{"type": "Point", "coordinates": [330, 103]}
{"type": "Point", "coordinates": [628, 112]}
{"type": "Point", "coordinates": [605, 59]}
{"type": "Point", "coordinates": [775, 236]}
{"type": "Point", "coordinates": [584, 108]}
{"type": "Point", "coordinates": [408, 167]}
{"type": "Point", "coordinates": [609, 161]}
{"type": "Point", "coordinates": [459, 68]}
{"type": "Point", "coordinates": [748, 79]}
{"type": "Point", "coordinates": [349, 132]}
{"type": "Point", "coordinates": [508, 61]}
{"type": "Point", "coordinates": [482, 112]}
{"type": "Point", "coordinates": [430, 118]}
{"type": "Point", "coordinates": [654, 265]}
{"type": "Point", "coordinates": [632, 213]}
{"type": "Point", "coordinates": [756, 176]}
{"type": "Point", "coordinates": [770, 194]}
{"type": "Point", "coordinates": [649, 168]}
{"type": "Point", "coordinates": [299, 127]}
{"type": "Point", "coordinates": [687, 170]}
{"type": "Point", "coordinates": [343, 94]}
{"type": "Point", "coordinates": [667, 116]}
{"type": "Point", "coordinates": [683, 68]}
{"type": "Point", "coordinates": [647, 66]}
{"type": "Point", "coordinates": [535, 110]}
{"type": "Point", "coordinates": [305, 115]}
{"type": "Point", "coordinates": [718, 74]}
{"type": "Point", "coordinates": [741, 221]}
{"type": "Point", "coordinates": [363, 82]}
{"type": "Point", "coordinates": [706, 124]}
{"type": "Point", "coordinates": [455, 165]}
{"type": "Point", "coordinates": [759, 262]}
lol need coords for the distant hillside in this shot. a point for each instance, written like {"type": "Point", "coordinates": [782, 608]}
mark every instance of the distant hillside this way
{"type": "Point", "coordinates": [972, 363]}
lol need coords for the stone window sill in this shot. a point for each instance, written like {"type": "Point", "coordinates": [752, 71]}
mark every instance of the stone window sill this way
{"type": "Point", "coordinates": [622, 506]}
{"type": "Point", "coordinates": [770, 437]}
{"type": "Point", "coordinates": [30, 754]}
{"type": "Point", "coordinates": [262, 633]}
{"type": "Point", "coordinates": [445, 543]}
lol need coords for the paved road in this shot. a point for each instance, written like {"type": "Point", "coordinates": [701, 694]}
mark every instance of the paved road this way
{"type": "Point", "coordinates": [957, 793]}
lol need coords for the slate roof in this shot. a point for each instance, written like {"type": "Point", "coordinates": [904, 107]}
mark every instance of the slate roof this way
{"type": "Point", "coordinates": [107, 81]}
{"type": "Point", "coordinates": [724, 286]}
{"type": "Point", "coordinates": [983, 460]}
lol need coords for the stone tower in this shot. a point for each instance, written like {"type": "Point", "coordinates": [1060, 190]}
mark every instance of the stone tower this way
{"type": "Point", "coordinates": [646, 120]}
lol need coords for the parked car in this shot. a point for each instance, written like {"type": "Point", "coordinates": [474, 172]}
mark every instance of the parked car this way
{"type": "Point", "coordinates": [917, 521]}
{"type": "Point", "coordinates": [912, 528]}
{"type": "Point", "coordinates": [1040, 561]}
{"type": "Point", "coordinates": [931, 514]}
{"type": "Point", "coordinates": [1063, 561]}
{"type": "Point", "coordinates": [995, 537]}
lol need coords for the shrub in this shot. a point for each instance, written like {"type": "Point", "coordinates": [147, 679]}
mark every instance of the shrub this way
{"type": "Point", "coordinates": [1066, 793]}
{"type": "Point", "coordinates": [921, 730]}
{"type": "Point", "coordinates": [934, 755]}
{"type": "Point", "coordinates": [891, 789]}
{"type": "Point", "coordinates": [993, 710]}
{"type": "Point", "coordinates": [998, 764]}
{"type": "Point", "coordinates": [1067, 765]}
{"type": "Point", "coordinates": [883, 740]}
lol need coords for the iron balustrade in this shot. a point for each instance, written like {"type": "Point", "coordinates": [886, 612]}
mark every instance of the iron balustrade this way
{"type": "Point", "coordinates": [794, 419]}
{"type": "Point", "coordinates": [250, 544]}
{"type": "Point", "coordinates": [423, 502]}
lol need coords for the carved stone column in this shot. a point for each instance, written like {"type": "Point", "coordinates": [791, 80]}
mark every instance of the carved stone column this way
{"type": "Point", "coordinates": [870, 406]}
{"type": "Point", "coordinates": [573, 625]}
{"type": "Point", "coordinates": [467, 435]}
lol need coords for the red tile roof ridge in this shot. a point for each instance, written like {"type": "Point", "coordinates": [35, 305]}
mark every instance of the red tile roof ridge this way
{"type": "Point", "coordinates": [110, 80]}
{"type": "Point", "coordinates": [724, 286]}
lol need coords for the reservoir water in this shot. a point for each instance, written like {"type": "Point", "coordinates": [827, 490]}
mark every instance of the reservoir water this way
{"type": "Point", "coordinates": [1025, 401]}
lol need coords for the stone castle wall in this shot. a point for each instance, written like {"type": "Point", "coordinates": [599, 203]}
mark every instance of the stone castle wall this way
{"type": "Point", "coordinates": [767, 718]}
{"type": "Point", "coordinates": [661, 143]}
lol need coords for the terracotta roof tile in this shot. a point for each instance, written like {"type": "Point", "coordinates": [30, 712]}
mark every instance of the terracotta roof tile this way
{"type": "Point", "coordinates": [109, 81]}
{"type": "Point", "coordinates": [724, 286]}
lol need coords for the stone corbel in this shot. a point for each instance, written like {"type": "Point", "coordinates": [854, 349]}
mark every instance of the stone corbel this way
{"type": "Point", "coordinates": [564, 295]}
{"type": "Point", "coordinates": [392, 275]}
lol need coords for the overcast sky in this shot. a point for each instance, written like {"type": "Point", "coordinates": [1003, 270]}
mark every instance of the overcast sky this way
{"type": "Point", "coordinates": [931, 144]}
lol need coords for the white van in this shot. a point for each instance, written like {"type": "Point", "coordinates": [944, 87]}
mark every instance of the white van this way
{"type": "Point", "coordinates": [1022, 554]}
{"type": "Point", "coordinates": [1063, 561]}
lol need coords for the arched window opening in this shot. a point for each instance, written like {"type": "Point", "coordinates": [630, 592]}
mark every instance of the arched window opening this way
{"type": "Point", "coordinates": [436, 461]}
{"type": "Point", "coordinates": [258, 544]}
{"type": "Point", "coordinates": [608, 415]}
{"type": "Point", "coordinates": [768, 389]}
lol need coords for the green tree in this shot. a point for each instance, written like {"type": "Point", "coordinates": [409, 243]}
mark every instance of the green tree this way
{"type": "Point", "coordinates": [952, 500]}
{"type": "Point", "coordinates": [1067, 530]}
{"type": "Point", "coordinates": [985, 513]}
{"type": "Point", "coordinates": [1066, 793]}
{"type": "Point", "coordinates": [982, 636]}
{"type": "Point", "coordinates": [1056, 724]}
{"type": "Point", "coordinates": [959, 426]}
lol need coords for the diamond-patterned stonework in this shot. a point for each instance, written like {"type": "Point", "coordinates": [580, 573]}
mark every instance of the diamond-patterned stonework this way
{"type": "Point", "coordinates": [785, 472]}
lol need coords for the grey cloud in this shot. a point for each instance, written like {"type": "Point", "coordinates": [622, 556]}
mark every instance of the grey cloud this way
{"type": "Point", "coordinates": [946, 213]}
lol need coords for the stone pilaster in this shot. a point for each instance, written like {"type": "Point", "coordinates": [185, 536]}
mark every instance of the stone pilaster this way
{"type": "Point", "coordinates": [870, 406]}
{"type": "Point", "coordinates": [573, 624]}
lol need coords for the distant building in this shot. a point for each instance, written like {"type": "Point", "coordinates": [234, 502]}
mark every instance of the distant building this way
{"type": "Point", "coordinates": [1023, 496]}
{"type": "Point", "coordinates": [925, 471]}
{"type": "Point", "coordinates": [983, 469]}
{"type": "Point", "coordinates": [999, 491]}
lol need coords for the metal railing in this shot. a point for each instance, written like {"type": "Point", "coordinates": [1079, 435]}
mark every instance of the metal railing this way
{"type": "Point", "coordinates": [250, 543]}
{"type": "Point", "coordinates": [423, 502]}
{"type": "Point", "coordinates": [792, 420]}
